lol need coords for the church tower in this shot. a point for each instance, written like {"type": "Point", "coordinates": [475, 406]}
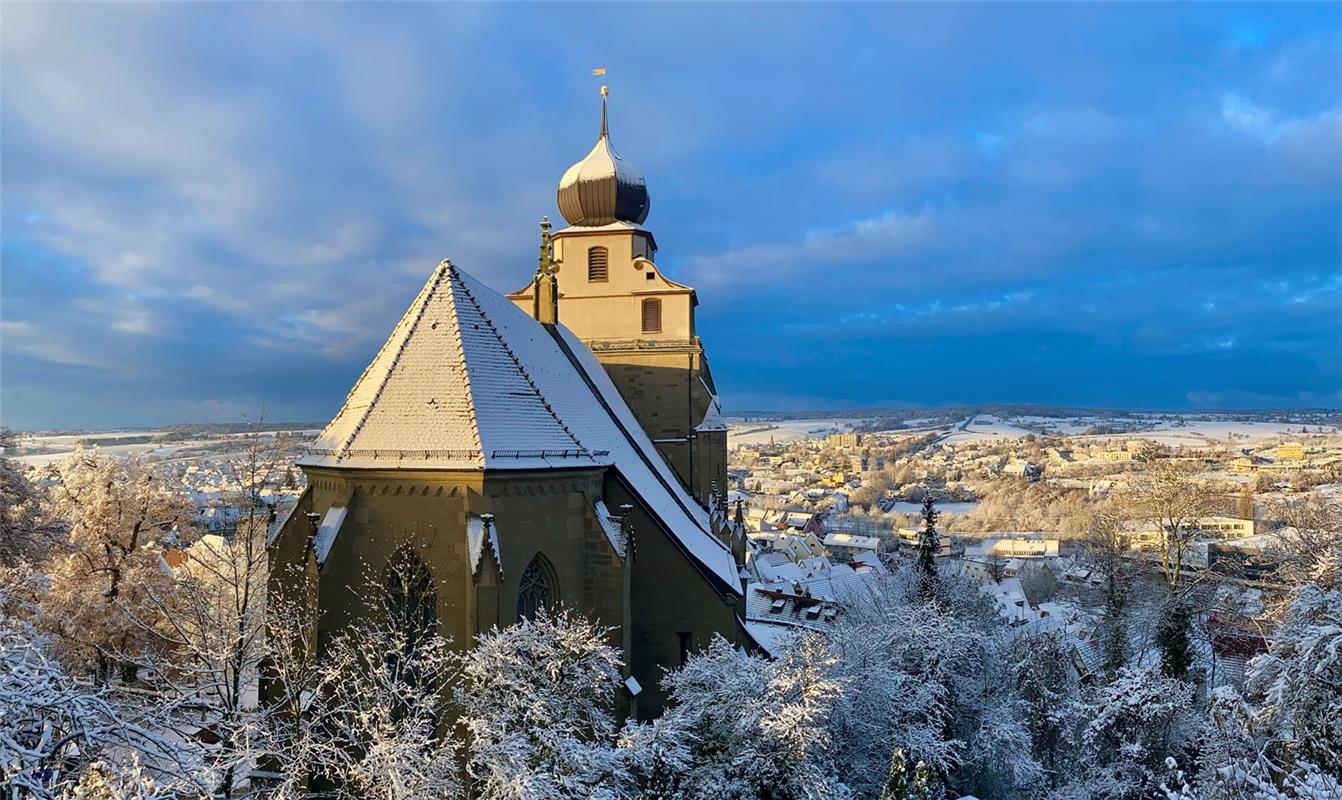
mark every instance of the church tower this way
{"type": "Point", "coordinates": [637, 321]}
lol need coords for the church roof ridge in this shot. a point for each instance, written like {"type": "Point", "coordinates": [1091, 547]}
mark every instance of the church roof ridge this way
{"type": "Point", "coordinates": [521, 368]}
{"type": "Point", "coordinates": [420, 301]}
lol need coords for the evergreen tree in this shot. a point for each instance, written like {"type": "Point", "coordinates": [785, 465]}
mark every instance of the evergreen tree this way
{"type": "Point", "coordinates": [929, 544]}
{"type": "Point", "coordinates": [1176, 653]}
{"type": "Point", "coordinates": [1114, 629]}
{"type": "Point", "coordinates": [926, 784]}
{"type": "Point", "coordinates": [897, 785]}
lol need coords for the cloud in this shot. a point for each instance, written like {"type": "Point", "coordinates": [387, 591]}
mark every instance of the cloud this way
{"type": "Point", "coordinates": [235, 204]}
{"type": "Point", "coordinates": [856, 243]}
{"type": "Point", "coordinates": [24, 338]}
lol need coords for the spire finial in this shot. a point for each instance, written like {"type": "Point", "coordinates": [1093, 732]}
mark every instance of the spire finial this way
{"type": "Point", "coordinates": [545, 305]}
{"type": "Point", "coordinates": [545, 264]}
{"type": "Point", "coordinates": [605, 91]}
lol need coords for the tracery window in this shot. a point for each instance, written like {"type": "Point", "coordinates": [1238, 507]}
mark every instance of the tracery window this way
{"type": "Point", "coordinates": [538, 588]}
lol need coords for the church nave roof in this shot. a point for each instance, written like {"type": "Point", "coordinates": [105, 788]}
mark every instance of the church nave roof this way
{"type": "Point", "coordinates": [469, 381]}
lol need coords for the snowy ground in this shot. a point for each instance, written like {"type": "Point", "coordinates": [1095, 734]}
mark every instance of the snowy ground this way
{"type": "Point", "coordinates": [1187, 430]}
{"type": "Point", "coordinates": [985, 426]}
{"type": "Point", "coordinates": [786, 431]}
{"type": "Point", "coordinates": [952, 509]}
{"type": "Point", "coordinates": [147, 450]}
{"type": "Point", "coordinates": [63, 446]}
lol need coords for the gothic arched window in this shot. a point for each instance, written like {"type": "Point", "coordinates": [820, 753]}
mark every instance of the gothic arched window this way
{"type": "Point", "coordinates": [538, 588]}
{"type": "Point", "coordinates": [598, 264]}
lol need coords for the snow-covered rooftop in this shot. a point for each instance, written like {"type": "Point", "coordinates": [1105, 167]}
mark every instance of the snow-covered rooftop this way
{"type": "Point", "coordinates": [467, 380]}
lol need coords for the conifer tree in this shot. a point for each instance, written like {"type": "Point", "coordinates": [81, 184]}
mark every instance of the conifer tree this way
{"type": "Point", "coordinates": [897, 785]}
{"type": "Point", "coordinates": [929, 545]}
{"type": "Point", "coordinates": [926, 784]}
{"type": "Point", "coordinates": [1172, 637]}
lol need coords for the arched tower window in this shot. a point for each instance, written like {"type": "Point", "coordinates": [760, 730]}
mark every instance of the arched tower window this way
{"type": "Point", "coordinates": [538, 589]}
{"type": "Point", "coordinates": [598, 264]}
{"type": "Point", "coordinates": [652, 315]}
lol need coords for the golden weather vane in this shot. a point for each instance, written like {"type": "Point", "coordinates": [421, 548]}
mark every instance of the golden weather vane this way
{"type": "Point", "coordinates": [605, 91]}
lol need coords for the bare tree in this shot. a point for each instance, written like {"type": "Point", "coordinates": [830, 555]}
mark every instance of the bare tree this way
{"type": "Point", "coordinates": [1309, 546]}
{"type": "Point", "coordinates": [1167, 496]}
{"type": "Point", "coordinates": [214, 619]}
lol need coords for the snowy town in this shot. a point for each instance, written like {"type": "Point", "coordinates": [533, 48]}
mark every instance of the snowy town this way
{"type": "Point", "coordinates": [963, 421]}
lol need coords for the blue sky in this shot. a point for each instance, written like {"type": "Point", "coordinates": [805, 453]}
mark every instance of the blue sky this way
{"type": "Point", "coordinates": [209, 208]}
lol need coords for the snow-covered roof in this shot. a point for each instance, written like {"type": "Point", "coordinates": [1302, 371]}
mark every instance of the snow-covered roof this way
{"type": "Point", "coordinates": [286, 509]}
{"type": "Point", "coordinates": [449, 389]}
{"type": "Point", "coordinates": [468, 380]}
{"type": "Point", "coordinates": [712, 420]}
{"type": "Point", "coordinates": [852, 540]}
{"type": "Point", "coordinates": [475, 541]}
{"type": "Point", "coordinates": [635, 457]}
{"type": "Point", "coordinates": [609, 526]}
{"type": "Point", "coordinates": [327, 532]}
{"type": "Point", "coordinates": [773, 638]}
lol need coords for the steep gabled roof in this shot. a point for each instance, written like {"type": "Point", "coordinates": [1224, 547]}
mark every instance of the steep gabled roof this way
{"type": "Point", "coordinates": [468, 380]}
{"type": "Point", "coordinates": [446, 391]}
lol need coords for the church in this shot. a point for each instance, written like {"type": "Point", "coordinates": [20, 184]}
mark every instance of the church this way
{"type": "Point", "coordinates": [560, 446]}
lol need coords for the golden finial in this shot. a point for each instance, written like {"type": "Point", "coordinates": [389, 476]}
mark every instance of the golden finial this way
{"type": "Point", "coordinates": [605, 90]}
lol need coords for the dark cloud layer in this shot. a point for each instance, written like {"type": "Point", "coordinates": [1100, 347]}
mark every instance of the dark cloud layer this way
{"type": "Point", "coordinates": [208, 209]}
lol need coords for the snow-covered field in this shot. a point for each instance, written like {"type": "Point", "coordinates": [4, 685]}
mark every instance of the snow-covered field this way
{"type": "Point", "coordinates": [63, 445]}
{"type": "Point", "coordinates": [786, 431]}
{"type": "Point", "coordinates": [147, 450]}
{"type": "Point", "coordinates": [985, 426]}
{"type": "Point", "coordinates": [943, 508]}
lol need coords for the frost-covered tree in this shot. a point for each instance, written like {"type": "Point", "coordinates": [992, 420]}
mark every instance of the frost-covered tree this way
{"type": "Point", "coordinates": [378, 718]}
{"type": "Point", "coordinates": [103, 781]}
{"type": "Point", "coordinates": [926, 784]}
{"type": "Point", "coordinates": [1172, 638]}
{"type": "Point", "coordinates": [750, 727]}
{"type": "Point", "coordinates": [1136, 722]}
{"type": "Point", "coordinates": [537, 703]}
{"type": "Point", "coordinates": [1227, 747]}
{"type": "Point", "coordinates": [1167, 496]}
{"type": "Point", "coordinates": [55, 731]}
{"type": "Point", "coordinates": [897, 781]}
{"type": "Point", "coordinates": [933, 679]}
{"type": "Point", "coordinates": [26, 535]}
{"type": "Point", "coordinates": [1297, 685]}
{"type": "Point", "coordinates": [1308, 548]}
{"type": "Point", "coordinates": [213, 617]}
{"type": "Point", "coordinates": [929, 546]}
{"type": "Point", "coordinates": [896, 658]}
{"type": "Point", "coordinates": [100, 604]}
{"type": "Point", "coordinates": [1106, 550]}
{"type": "Point", "coordinates": [1048, 702]}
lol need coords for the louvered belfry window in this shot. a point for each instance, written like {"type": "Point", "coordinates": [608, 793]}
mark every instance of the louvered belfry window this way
{"type": "Point", "coordinates": [652, 315]}
{"type": "Point", "coordinates": [598, 265]}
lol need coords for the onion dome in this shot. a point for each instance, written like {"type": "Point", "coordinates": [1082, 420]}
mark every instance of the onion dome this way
{"type": "Point", "coordinates": [603, 188]}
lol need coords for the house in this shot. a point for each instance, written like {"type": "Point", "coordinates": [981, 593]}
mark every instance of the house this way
{"type": "Point", "coordinates": [848, 545]}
